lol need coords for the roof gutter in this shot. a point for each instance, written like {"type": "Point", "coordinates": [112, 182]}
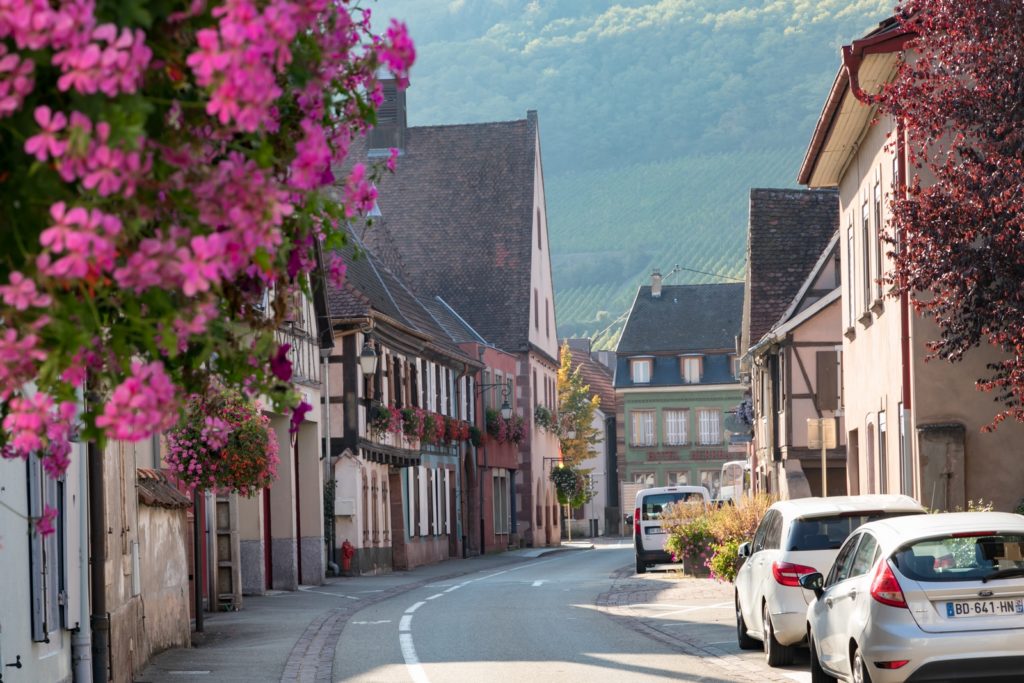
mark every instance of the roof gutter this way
{"type": "Point", "coordinates": [848, 77]}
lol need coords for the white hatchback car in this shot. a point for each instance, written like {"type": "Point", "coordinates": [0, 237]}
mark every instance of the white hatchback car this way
{"type": "Point", "coordinates": [648, 536]}
{"type": "Point", "coordinates": [929, 598]}
{"type": "Point", "coordinates": [797, 537]}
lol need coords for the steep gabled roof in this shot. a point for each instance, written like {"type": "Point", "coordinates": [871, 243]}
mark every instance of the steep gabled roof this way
{"type": "Point", "coordinates": [685, 318]}
{"type": "Point", "coordinates": [458, 214]}
{"type": "Point", "coordinates": [371, 288]}
{"type": "Point", "coordinates": [459, 331]}
{"type": "Point", "coordinates": [787, 232]}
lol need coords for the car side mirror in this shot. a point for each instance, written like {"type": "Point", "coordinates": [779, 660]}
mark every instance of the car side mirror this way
{"type": "Point", "coordinates": [813, 582]}
{"type": "Point", "coordinates": [743, 550]}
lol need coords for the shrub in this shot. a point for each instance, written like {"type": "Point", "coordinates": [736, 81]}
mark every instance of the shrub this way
{"type": "Point", "coordinates": [724, 562]}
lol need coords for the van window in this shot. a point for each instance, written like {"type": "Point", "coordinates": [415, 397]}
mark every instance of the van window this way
{"type": "Point", "coordinates": [654, 505]}
{"type": "Point", "coordinates": [828, 533]}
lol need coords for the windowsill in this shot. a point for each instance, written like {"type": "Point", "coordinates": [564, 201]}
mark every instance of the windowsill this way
{"type": "Point", "coordinates": [877, 307]}
{"type": "Point", "coordinates": [850, 333]}
{"type": "Point", "coordinates": [865, 319]}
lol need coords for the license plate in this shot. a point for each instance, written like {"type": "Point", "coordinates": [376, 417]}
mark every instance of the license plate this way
{"type": "Point", "coordinates": [985, 608]}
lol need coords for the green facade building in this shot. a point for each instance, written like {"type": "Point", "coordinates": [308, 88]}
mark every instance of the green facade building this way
{"type": "Point", "coordinates": [676, 386]}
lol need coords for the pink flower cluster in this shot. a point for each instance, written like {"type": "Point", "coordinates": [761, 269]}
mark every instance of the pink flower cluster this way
{"type": "Point", "coordinates": [143, 405]}
{"type": "Point", "coordinates": [37, 426]}
{"type": "Point", "coordinates": [109, 63]}
{"type": "Point", "coordinates": [16, 80]}
{"type": "Point", "coordinates": [80, 245]}
{"type": "Point", "coordinates": [239, 60]}
{"type": "Point", "coordinates": [398, 52]}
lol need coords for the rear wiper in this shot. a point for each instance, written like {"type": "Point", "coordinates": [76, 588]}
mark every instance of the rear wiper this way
{"type": "Point", "coordinates": [1003, 573]}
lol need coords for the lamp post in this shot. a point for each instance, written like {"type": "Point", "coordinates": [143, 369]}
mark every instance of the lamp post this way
{"type": "Point", "coordinates": [368, 357]}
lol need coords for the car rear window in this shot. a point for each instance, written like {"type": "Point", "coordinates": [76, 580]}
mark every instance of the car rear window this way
{"type": "Point", "coordinates": [828, 533]}
{"type": "Point", "coordinates": [655, 504]}
{"type": "Point", "coordinates": [961, 558]}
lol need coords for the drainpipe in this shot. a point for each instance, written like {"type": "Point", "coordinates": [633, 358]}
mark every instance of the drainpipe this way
{"type": "Point", "coordinates": [81, 637]}
{"type": "Point", "coordinates": [99, 619]}
{"type": "Point", "coordinates": [901, 188]}
{"type": "Point", "coordinates": [326, 422]}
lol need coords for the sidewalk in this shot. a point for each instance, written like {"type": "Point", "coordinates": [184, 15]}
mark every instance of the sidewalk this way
{"type": "Point", "coordinates": [290, 636]}
{"type": "Point", "coordinates": [695, 616]}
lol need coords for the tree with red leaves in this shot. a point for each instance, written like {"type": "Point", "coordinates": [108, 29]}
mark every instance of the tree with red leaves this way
{"type": "Point", "coordinates": [959, 96]}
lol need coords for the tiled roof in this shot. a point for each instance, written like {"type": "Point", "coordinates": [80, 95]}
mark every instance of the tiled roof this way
{"type": "Point", "coordinates": [156, 491]}
{"type": "Point", "coordinates": [371, 287]}
{"type": "Point", "coordinates": [787, 232]}
{"type": "Point", "coordinates": [667, 372]}
{"type": "Point", "coordinates": [599, 378]}
{"type": "Point", "coordinates": [685, 318]}
{"type": "Point", "coordinates": [458, 213]}
{"type": "Point", "coordinates": [459, 331]}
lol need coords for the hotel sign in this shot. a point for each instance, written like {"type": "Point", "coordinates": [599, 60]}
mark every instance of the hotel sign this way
{"type": "Point", "coordinates": [696, 454]}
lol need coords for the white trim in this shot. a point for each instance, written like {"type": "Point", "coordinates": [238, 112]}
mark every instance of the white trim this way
{"type": "Point", "coordinates": [694, 388]}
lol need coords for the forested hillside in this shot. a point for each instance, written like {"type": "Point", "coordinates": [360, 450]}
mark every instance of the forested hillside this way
{"type": "Point", "coordinates": [657, 116]}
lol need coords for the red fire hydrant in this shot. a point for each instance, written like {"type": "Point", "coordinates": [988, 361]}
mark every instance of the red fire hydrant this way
{"type": "Point", "coordinates": [347, 551]}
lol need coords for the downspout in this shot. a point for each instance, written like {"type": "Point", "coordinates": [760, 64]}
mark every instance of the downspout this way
{"type": "Point", "coordinates": [81, 637]}
{"type": "Point", "coordinates": [326, 421]}
{"type": "Point", "coordinates": [99, 620]}
{"type": "Point", "coordinates": [901, 189]}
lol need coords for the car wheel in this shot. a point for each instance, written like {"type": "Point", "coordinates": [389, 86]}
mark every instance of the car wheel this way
{"type": "Point", "coordinates": [860, 668]}
{"type": "Point", "coordinates": [641, 566]}
{"type": "Point", "coordinates": [818, 674]}
{"type": "Point", "coordinates": [775, 653]}
{"type": "Point", "coordinates": [742, 637]}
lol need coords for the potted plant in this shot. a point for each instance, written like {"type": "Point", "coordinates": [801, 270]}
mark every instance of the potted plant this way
{"type": "Point", "coordinates": [380, 420]}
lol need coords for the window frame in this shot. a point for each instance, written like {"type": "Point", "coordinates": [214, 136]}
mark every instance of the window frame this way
{"type": "Point", "coordinates": [633, 423]}
{"type": "Point", "coordinates": [635, 363]}
{"type": "Point", "coordinates": [701, 412]}
{"type": "Point", "coordinates": [682, 419]}
{"type": "Point", "coordinates": [688, 361]}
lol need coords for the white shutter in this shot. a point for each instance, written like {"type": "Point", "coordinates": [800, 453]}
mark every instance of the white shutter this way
{"type": "Point", "coordinates": [447, 502]}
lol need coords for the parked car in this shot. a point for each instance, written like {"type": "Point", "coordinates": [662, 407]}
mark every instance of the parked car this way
{"type": "Point", "coordinates": [797, 537]}
{"type": "Point", "coordinates": [648, 536]}
{"type": "Point", "coordinates": [929, 598]}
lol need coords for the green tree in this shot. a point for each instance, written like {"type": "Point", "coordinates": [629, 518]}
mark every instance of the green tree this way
{"type": "Point", "coordinates": [577, 435]}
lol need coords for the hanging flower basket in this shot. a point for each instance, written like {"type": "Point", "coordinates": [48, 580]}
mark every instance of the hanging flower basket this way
{"type": "Point", "coordinates": [380, 420]}
{"type": "Point", "coordinates": [476, 437]}
{"type": "Point", "coordinates": [223, 442]}
{"type": "Point", "coordinates": [512, 430]}
{"type": "Point", "coordinates": [412, 423]}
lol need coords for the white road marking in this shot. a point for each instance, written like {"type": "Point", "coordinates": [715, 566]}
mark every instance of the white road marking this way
{"type": "Point", "coordinates": [412, 662]}
{"type": "Point", "coordinates": [371, 623]}
{"type": "Point", "coordinates": [538, 582]}
{"type": "Point", "coordinates": [406, 623]}
{"type": "Point", "coordinates": [455, 587]}
{"type": "Point", "coordinates": [692, 608]}
{"type": "Point", "coordinates": [336, 595]}
{"type": "Point", "coordinates": [435, 597]}
{"type": "Point", "coordinates": [415, 607]}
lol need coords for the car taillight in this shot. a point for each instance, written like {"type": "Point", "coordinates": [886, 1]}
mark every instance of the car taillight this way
{"type": "Point", "coordinates": [636, 521]}
{"type": "Point", "coordinates": [894, 664]}
{"type": "Point", "coordinates": [788, 574]}
{"type": "Point", "coordinates": [886, 589]}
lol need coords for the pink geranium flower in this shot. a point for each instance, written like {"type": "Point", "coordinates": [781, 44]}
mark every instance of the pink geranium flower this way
{"type": "Point", "coordinates": [46, 144]}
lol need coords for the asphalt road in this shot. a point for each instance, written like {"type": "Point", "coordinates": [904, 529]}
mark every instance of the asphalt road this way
{"type": "Point", "coordinates": [532, 621]}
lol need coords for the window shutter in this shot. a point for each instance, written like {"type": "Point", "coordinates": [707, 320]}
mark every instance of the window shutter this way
{"type": "Point", "coordinates": [827, 369]}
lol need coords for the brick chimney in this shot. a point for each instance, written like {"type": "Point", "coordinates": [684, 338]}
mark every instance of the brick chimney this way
{"type": "Point", "coordinates": [656, 284]}
{"type": "Point", "coordinates": [391, 119]}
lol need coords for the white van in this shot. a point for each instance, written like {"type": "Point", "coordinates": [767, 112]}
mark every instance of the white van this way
{"type": "Point", "coordinates": [648, 536]}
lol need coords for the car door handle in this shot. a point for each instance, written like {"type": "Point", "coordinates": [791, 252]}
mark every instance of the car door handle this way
{"type": "Point", "coordinates": [853, 595]}
{"type": "Point", "coordinates": [828, 602]}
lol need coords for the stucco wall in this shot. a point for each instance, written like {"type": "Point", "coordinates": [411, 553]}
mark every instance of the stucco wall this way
{"type": "Point", "coordinates": [164, 563]}
{"type": "Point", "coordinates": [941, 393]}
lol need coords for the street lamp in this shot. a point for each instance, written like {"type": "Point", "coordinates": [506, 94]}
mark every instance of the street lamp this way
{"type": "Point", "coordinates": [506, 407]}
{"type": "Point", "coordinates": [368, 358]}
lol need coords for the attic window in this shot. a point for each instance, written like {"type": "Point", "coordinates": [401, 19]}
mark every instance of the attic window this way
{"type": "Point", "coordinates": [691, 368]}
{"type": "Point", "coordinates": [640, 370]}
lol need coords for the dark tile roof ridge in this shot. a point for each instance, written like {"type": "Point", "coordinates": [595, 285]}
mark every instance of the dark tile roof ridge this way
{"type": "Point", "coordinates": [438, 126]}
{"type": "Point", "coordinates": [632, 310]}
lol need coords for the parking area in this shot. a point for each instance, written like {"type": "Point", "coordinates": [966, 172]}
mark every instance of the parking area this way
{"type": "Point", "coordinates": [696, 616]}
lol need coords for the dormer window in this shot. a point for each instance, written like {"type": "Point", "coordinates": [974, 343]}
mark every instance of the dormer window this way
{"type": "Point", "coordinates": [640, 370]}
{"type": "Point", "coordinates": [692, 368]}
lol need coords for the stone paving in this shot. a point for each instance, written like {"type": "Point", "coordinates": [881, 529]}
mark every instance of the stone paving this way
{"type": "Point", "coordinates": [695, 616]}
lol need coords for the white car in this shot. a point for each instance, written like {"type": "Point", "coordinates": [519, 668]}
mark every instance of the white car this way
{"type": "Point", "coordinates": [930, 598]}
{"type": "Point", "coordinates": [797, 537]}
{"type": "Point", "coordinates": [648, 536]}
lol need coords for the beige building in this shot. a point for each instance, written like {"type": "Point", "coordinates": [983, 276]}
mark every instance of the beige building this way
{"type": "Point", "coordinates": [912, 426]}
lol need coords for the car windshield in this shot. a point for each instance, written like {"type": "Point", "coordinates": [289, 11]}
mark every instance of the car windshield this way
{"type": "Point", "coordinates": [961, 557]}
{"type": "Point", "coordinates": [654, 505]}
{"type": "Point", "coordinates": [828, 533]}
